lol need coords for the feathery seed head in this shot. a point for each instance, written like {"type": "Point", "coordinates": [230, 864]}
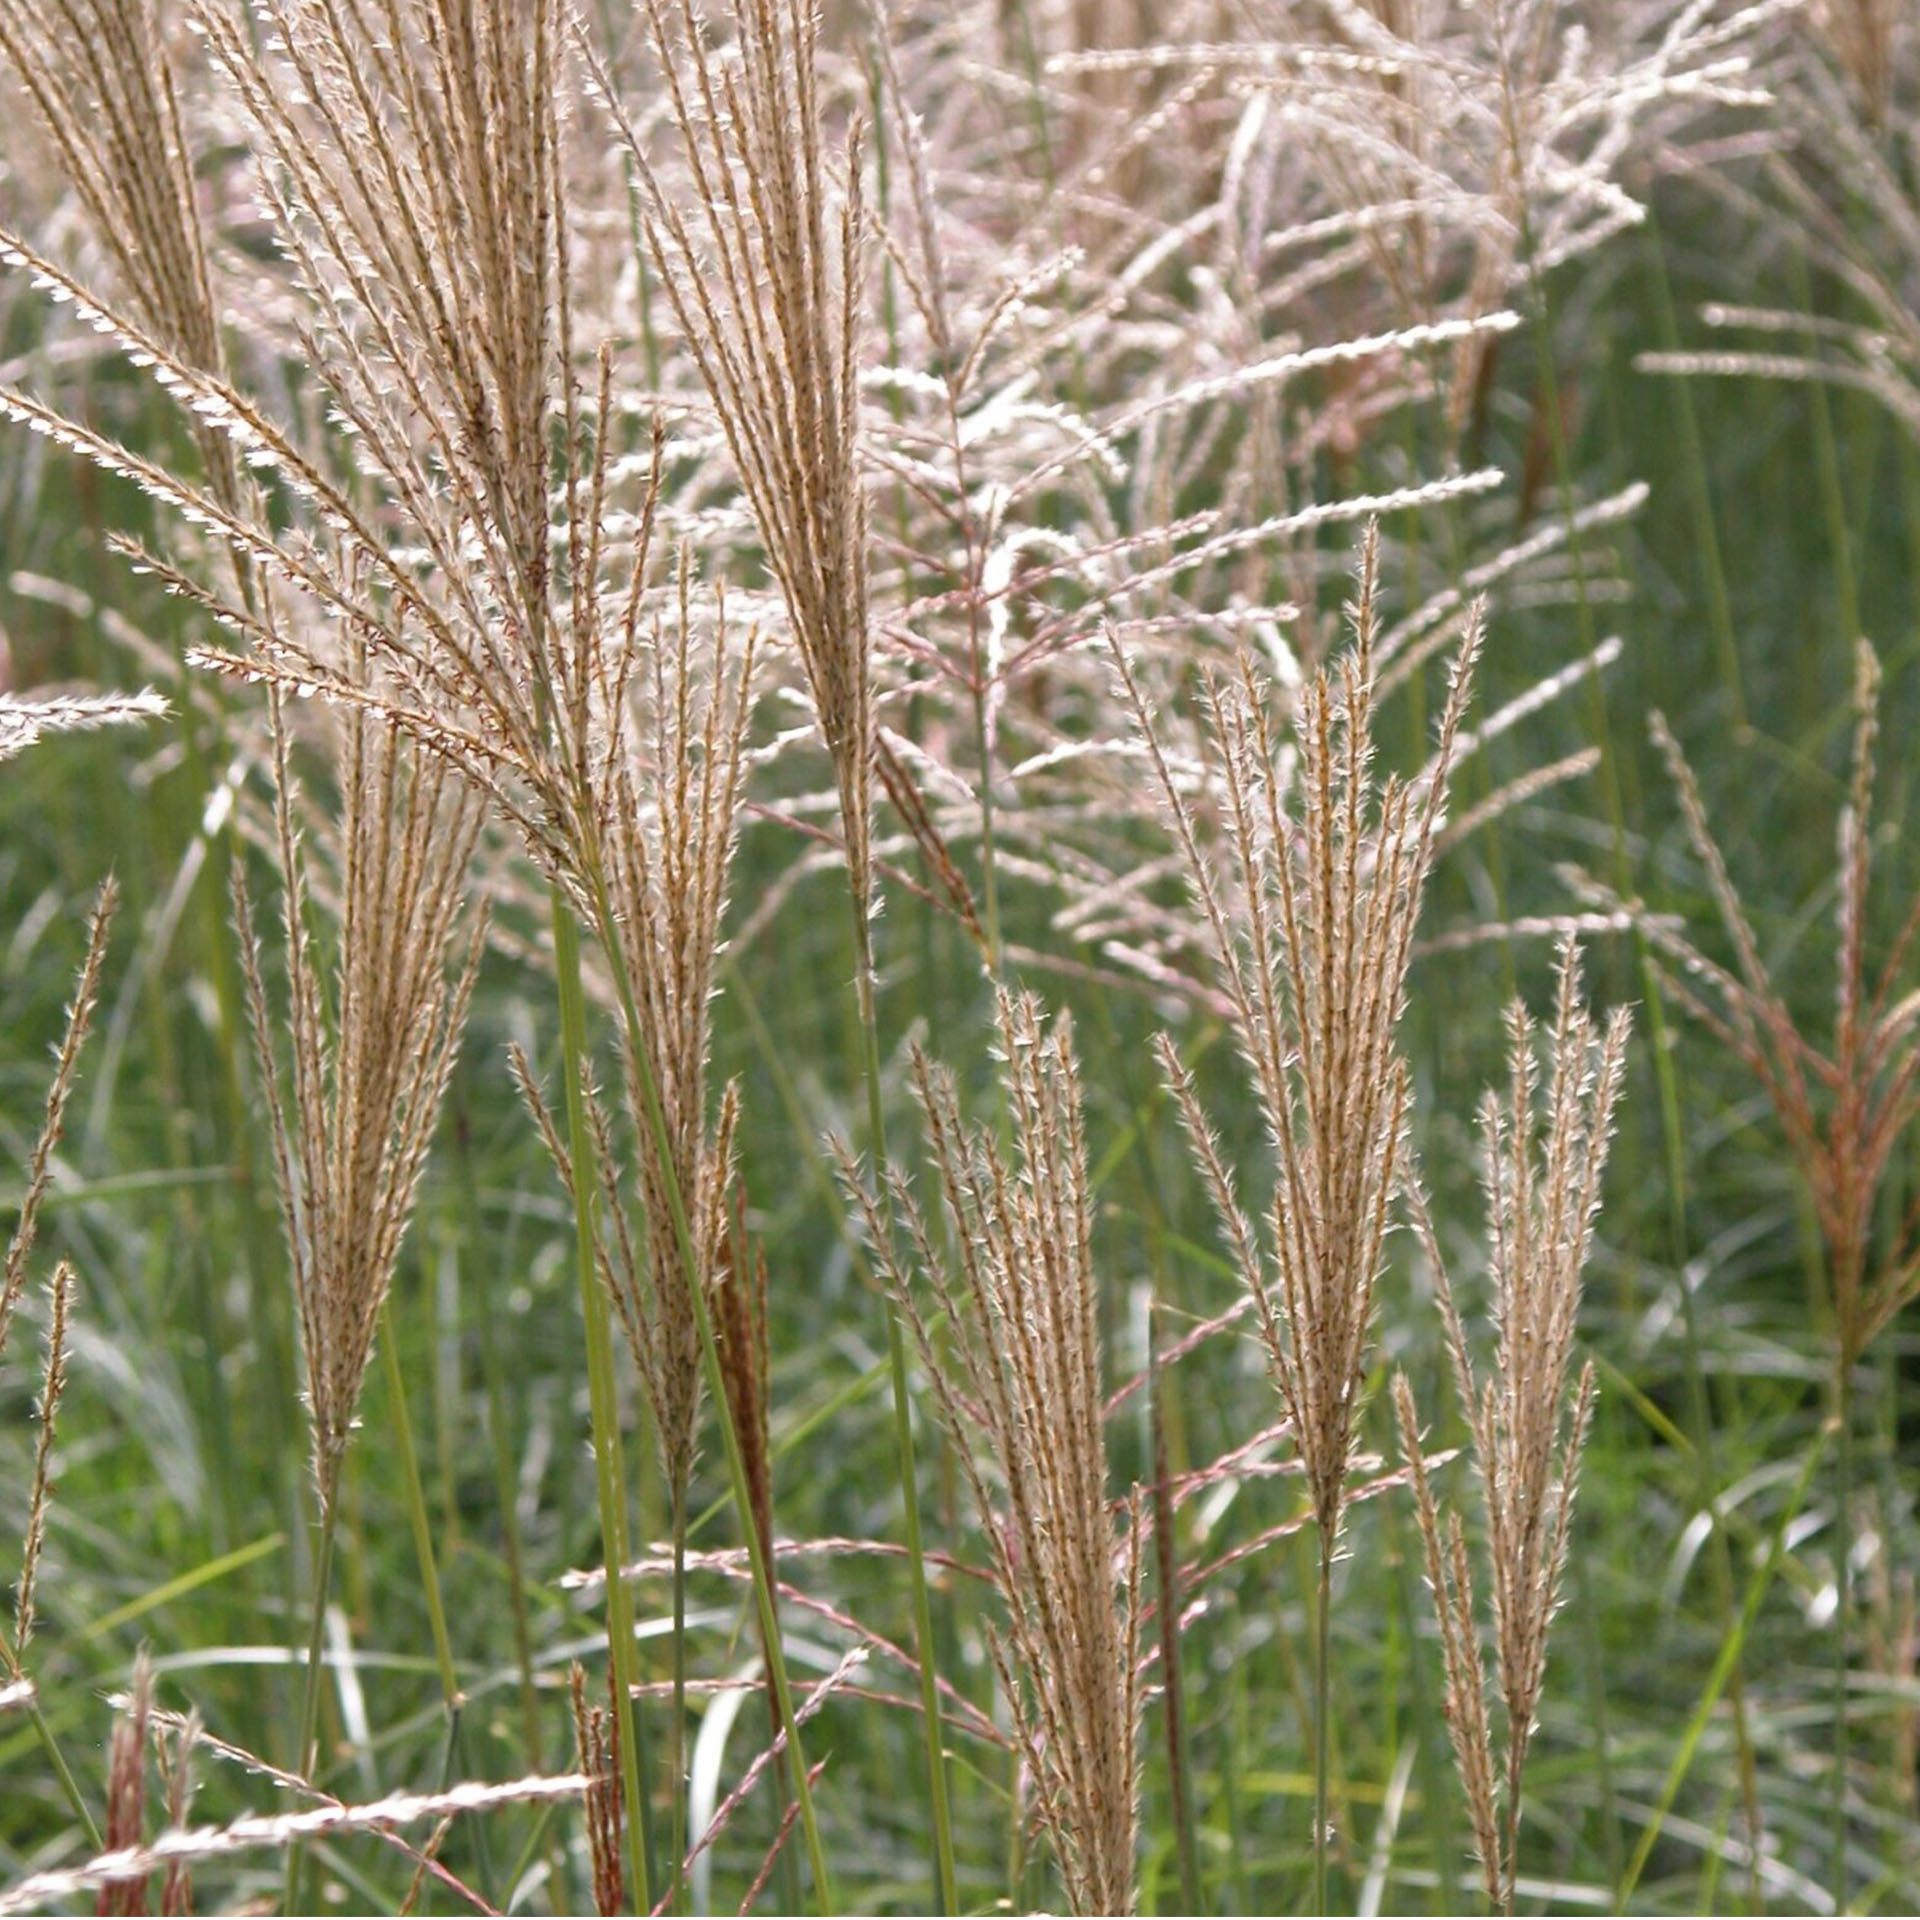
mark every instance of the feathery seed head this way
{"type": "Point", "coordinates": [1311, 949]}
{"type": "Point", "coordinates": [1527, 1421]}
{"type": "Point", "coordinates": [1019, 1388]}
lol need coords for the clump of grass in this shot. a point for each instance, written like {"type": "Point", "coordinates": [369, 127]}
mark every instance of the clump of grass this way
{"type": "Point", "coordinates": [1542, 1176]}
{"type": "Point", "coordinates": [763, 262]}
{"type": "Point", "coordinates": [1019, 1388]}
{"type": "Point", "coordinates": [1311, 950]}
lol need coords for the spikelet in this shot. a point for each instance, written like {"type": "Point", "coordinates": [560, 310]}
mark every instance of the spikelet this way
{"type": "Point", "coordinates": [127, 1792]}
{"type": "Point", "coordinates": [182, 1847]}
{"type": "Point", "coordinates": [53, 1383]}
{"type": "Point", "coordinates": [596, 1734]}
{"type": "Point", "coordinates": [1019, 1387]}
{"type": "Point", "coordinates": [22, 722]}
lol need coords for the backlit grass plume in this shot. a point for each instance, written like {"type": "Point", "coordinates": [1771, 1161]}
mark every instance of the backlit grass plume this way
{"type": "Point", "coordinates": [1019, 1387]}
{"type": "Point", "coordinates": [677, 812]}
{"type": "Point", "coordinates": [1527, 1419]}
{"type": "Point", "coordinates": [101, 79]}
{"type": "Point", "coordinates": [1312, 944]}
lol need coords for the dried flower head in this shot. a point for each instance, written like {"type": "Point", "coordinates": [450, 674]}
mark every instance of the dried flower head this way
{"type": "Point", "coordinates": [672, 805]}
{"type": "Point", "coordinates": [1311, 950]}
{"type": "Point", "coordinates": [762, 260]}
{"type": "Point", "coordinates": [127, 1791]}
{"type": "Point", "coordinates": [351, 1128]}
{"type": "Point", "coordinates": [1019, 1388]}
{"type": "Point", "coordinates": [596, 1734]}
{"type": "Point", "coordinates": [1846, 1107]}
{"type": "Point", "coordinates": [1542, 1177]}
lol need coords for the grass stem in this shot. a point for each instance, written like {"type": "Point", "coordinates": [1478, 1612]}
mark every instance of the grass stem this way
{"type": "Point", "coordinates": [69, 1786]}
{"type": "Point", "coordinates": [655, 1118]}
{"type": "Point", "coordinates": [305, 1756]}
{"type": "Point", "coordinates": [1843, 1588]}
{"type": "Point", "coordinates": [601, 1386]}
{"type": "Point", "coordinates": [946, 1889]}
{"type": "Point", "coordinates": [1322, 1709]}
{"type": "Point", "coordinates": [677, 1730]}
{"type": "Point", "coordinates": [417, 1515]}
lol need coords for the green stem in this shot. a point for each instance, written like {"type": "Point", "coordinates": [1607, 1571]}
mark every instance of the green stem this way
{"type": "Point", "coordinates": [946, 1887]}
{"type": "Point", "coordinates": [1843, 1555]}
{"type": "Point", "coordinates": [677, 1732]}
{"type": "Point", "coordinates": [69, 1786]}
{"type": "Point", "coordinates": [417, 1514]}
{"type": "Point", "coordinates": [1322, 1673]}
{"type": "Point", "coordinates": [64, 1774]}
{"type": "Point", "coordinates": [656, 1121]}
{"type": "Point", "coordinates": [515, 1560]}
{"type": "Point", "coordinates": [601, 1385]}
{"type": "Point", "coordinates": [304, 1757]}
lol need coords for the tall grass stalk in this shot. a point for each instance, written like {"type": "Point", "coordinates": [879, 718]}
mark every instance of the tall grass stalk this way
{"type": "Point", "coordinates": [419, 1520]}
{"type": "Point", "coordinates": [1842, 1623]}
{"type": "Point", "coordinates": [1168, 1596]}
{"type": "Point", "coordinates": [655, 1119]}
{"type": "Point", "coordinates": [602, 1387]}
{"type": "Point", "coordinates": [1322, 1723]}
{"type": "Point", "coordinates": [946, 1886]}
{"type": "Point", "coordinates": [56, 1757]}
{"type": "Point", "coordinates": [305, 1753]}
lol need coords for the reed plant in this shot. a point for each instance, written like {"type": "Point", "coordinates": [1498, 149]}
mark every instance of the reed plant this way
{"type": "Point", "coordinates": [1019, 1387]}
{"type": "Point", "coordinates": [1311, 950]}
{"type": "Point", "coordinates": [1527, 1420]}
{"type": "Point", "coordinates": [592, 479]}
{"type": "Point", "coordinates": [1844, 1104]}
